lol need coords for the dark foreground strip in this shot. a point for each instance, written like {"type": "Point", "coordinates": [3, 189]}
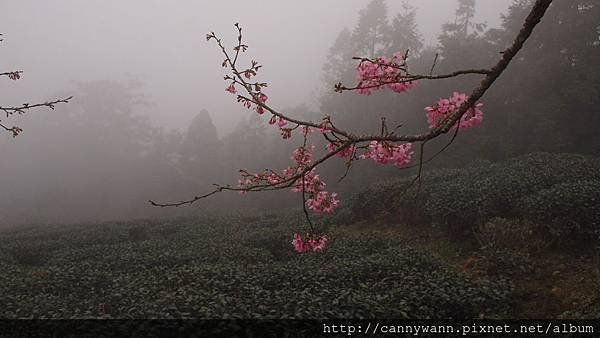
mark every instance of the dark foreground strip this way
{"type": "Point", "coordinates": [296, 328]}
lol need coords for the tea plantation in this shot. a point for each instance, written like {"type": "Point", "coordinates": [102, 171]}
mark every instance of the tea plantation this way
{"type": "Point", "coordinates": [512, 239]}
{"type": "Point", "coordinates": [229, 268]}
{"type": "Point", "coordinates": [558, 192]}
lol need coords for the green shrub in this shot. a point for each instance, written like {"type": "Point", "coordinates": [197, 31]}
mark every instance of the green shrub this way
{"type": "Point", "coordinates": [27, 255]}
{"type": "Point", "coordinates": [527, 174]}
{"type": "Point", "coordinates": [462, 199]}
{"type": "Point", "coordinates": [566, 209]}
{"type": "Point", "coordinates": [502, 261]}
{"type": "Point", "coordinates": [485, 190]}
{"type": "Point", "coordinates": [510, 234]}
{"type": "Point", "coordinates": [276, 244]}
{"type": "Point", "coordinates": [402, 199]}
{"type": "Point", "coordinates": [458, 202]}
{"type": "Point", "coordinates": [138, 233]}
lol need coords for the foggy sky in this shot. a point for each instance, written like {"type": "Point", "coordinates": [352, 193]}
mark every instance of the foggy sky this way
{"type": "Point", "coordinates": [61, 42]}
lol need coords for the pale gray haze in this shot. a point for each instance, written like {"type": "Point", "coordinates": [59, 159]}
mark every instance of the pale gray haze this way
{"type": "Point", "coordinates": [162, 44]}
{"type": "Point", "coordinates": [98, 157]}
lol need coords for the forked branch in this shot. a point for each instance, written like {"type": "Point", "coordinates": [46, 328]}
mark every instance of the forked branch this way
{"type": "Point", "coordinates": [346, 140]}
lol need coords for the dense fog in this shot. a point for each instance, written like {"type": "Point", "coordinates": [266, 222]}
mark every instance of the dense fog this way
{"type": "Point", "coordinates": [150, 118]}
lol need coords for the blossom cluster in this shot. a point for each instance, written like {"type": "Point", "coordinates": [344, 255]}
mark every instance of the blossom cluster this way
{"type": "Point", "coordinates": [302, 156]}
{"type": "Point", "coordinates": [318, 200]}
{"type": "Point", "coordinates": [385, 152]}
{"type": "Point", "coordinates": [267, 177]}
{"type": "Point", "coordinates": [310, 243]}
{"type": "Point", "coordinates": [446, 107]}
{"type": "Point", "coordinates": [14, 75]}
{"type": "Point", "coordinates": [382, 73]}
{"type": "Point", "coordinates": [346, 152]}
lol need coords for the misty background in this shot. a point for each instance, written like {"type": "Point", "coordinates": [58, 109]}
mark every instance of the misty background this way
{"type": "Point", "coordinates": [162, 44]}
{"type": "Point", "coordinates": [150, 118]}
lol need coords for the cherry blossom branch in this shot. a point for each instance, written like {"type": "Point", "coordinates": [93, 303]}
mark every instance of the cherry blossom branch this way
{"type": "Point", "coordinates": [304, 208]}
{"type": "Point", "coordinates": [14, 75]}
{"type": "Point", "coordinates": [459, 111]}
{"type": "Point", "coordinates": [254, 89]}
{"type": "Point", "coordinates": [23, 108]}
{"type": "Point", "coordinates": [284, 184]}
{"type": "Point", "coordinates": [531, 21]}
{"type": "Point", "coordinates": [441, 150]}
{"type": "Point", "coordinates": [434, 63]}
{"type": "Point", "coordinates": [407, 78]}
{"type": "Point", "coordinates": [491, 75]}
{"type": "Point", "coordinates": [14, 130]}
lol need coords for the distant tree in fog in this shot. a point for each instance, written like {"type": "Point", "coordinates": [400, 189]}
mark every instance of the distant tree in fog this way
{"type": "Point", "coordinates": [241, 147]}
{"type": "Point", "coordinates": [371, 34]}
{"type": "Point", "coordinates": [97, 160]}
{"type": "Point", "coordinates": [201, 148]}
{"type": "Point", "coordinates": [404, 33]}
{"type": "Point", "coordinates": [461, 42]}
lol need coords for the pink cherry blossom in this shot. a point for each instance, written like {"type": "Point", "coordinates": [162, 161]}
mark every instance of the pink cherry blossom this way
{"type": "Point", "coordinates": [298, 243]}
{"type": "Point", "coordinates": [302, 156]}
{"type": "Point", "coordinates": [286, 133]}
{"type": "Point", "coordinates": [306, 130]}
{"type": "Point", "coordinates": [445, 107]}
{"type": "Point", "coordinates": [322, 203]}
{"type": "Point", "coordinates": [312, 183]}
{"type": "Point", "coordinates": [346, 152]}
{"type": "Point", "coordinates": [324, 127]}
{"type": "Point", "coordinates": [281, 123]}
{"type": "Point", "coordinates": [383, 73]}
{"type": "Point", "coordinates": [385, 152]}
{"type": "Point", "coordinates": [311, 243]}
{"type": "Point", "coordinates": [231, 89]}
{"type": "Point", "coordinates": [318, 199]}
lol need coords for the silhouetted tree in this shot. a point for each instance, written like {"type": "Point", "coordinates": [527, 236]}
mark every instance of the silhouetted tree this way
{"type": "Point", "coordinates": [247, 146]}
{"type": "Point", "coordinates": [461, 42]}
{"type": "Point", "coordinates": [560, 70]}
{"type": "Point", "coordinates": [404, 32]}
{"type": "Point", "coordinates": [96, 160]}
{"type": "Point", "coordinates": [371, 32]}
{"type": "Point", "coordinates": [201, 148]}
